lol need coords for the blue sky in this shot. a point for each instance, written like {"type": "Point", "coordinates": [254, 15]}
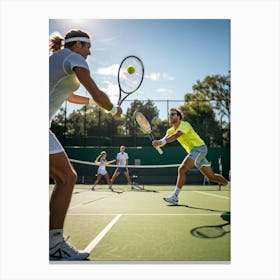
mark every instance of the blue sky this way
{"type": "Point", "coordinates": [176, 53]}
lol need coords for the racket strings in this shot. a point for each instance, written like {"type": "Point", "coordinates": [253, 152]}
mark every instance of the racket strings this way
{"type": "Point", "coordinates": [143, 123]}
{"type": "Point", "coordinates": [130, 82]}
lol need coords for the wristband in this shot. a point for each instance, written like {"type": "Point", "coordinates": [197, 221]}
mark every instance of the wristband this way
{"type": "Point", "coordinates": [91, 101]}
{"type": "Point", "coordinates": [113, 111]}
{"type": "Point", "coordinates": [163, 141]}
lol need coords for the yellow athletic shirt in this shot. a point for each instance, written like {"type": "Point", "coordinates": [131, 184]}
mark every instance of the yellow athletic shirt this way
{"type": "Point", "coordinates": [189, 138]}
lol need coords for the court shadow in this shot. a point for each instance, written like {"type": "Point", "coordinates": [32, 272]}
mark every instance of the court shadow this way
{"type": "Point", "coordinates": [213, 231]}
{"type": "Point", "coordinates": [194, 207]}
{"type": "Point", "coordinates": [144, 190]}
{"type": "Point", "coordinates": [117, 192]}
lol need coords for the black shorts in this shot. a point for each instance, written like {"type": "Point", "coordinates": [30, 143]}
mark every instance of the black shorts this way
{"type": "Point", "coordinates": [121, 170]}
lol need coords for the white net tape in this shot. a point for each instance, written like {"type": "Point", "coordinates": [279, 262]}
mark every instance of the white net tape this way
{"type": "Point", "coordinates": [132, 166]}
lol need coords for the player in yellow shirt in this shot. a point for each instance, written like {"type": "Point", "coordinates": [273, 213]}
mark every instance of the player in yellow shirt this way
{"type": "Point", "coordinates": [183, 132]}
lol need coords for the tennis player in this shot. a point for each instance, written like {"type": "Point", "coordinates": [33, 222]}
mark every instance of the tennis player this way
{"type": "Point", "coordinates": [122, 162]}
{"type": "Point", "coordinates": [101, 159]}
{"type": "Point", "coordinates": [67, 69]}
{"type": "Point", "coordinates": [183, 132]}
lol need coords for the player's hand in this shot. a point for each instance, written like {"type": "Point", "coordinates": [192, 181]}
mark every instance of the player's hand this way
{"type": "Point", "coordinates": [156, 143]}
{"type": "Point", "coordinates": [119, 113]}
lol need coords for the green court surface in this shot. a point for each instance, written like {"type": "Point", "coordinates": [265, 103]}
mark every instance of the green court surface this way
{"type": "Point", "coordinates": [138, 226]}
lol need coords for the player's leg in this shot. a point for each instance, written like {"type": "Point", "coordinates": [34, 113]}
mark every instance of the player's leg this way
{"type": "Point", "coordinates": [109, 181]}
{"type": "Point", "coordinates": [115, 175]}
{"type": "Point", "coordinates": [187, 164]}
{"type": "Point", "coordinates": [213, 177]}
{"type": "Point", "coordinates": [126, 173]}
{"type": "Point", "coordinates": [98, 178]}
{"type": "Point", "coordinates": [64, 176]}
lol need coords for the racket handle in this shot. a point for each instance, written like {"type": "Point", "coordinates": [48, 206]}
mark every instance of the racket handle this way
{"type": "Point", "coordinates": [160, 151]}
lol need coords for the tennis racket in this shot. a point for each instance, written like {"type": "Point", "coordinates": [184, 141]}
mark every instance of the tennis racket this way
{"type": "Point", "coordinates": [145, 127]}
{"type": "Point", "coordinates": [129, 81]}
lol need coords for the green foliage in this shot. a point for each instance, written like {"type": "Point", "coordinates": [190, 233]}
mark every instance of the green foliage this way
{"type": "Point", "coordinates": [215, 89]}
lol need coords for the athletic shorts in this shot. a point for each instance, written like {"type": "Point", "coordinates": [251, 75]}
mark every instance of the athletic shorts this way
{"type": "Point", "coordinates": [54, 146]}
{"type": "Point", "coordinates": [101, 171]}
{"type": "Point", "coordinates": [121, 169]}
{"type": "Point", "coordinates": [198, 155]}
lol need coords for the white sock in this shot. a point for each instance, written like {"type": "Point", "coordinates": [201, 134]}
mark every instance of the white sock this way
{"type": "Point", "coordinates": [55, 236]}
{"type": "Point", "coordinates": [177, 191]}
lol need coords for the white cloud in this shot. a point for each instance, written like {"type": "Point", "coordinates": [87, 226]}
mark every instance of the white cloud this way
{"type": "Point", "coordinates": [167, 77]}
{"type": "Point", "coordinates": [153, 76]}
{"type": "Point", "coordinates": [108, 71]}
{"type": "Point", "coordinates": [164, 90]}
{"type": "Point", "coordinates": [159, 76]}
{"type": "Point", "coordinates": [112, 91]}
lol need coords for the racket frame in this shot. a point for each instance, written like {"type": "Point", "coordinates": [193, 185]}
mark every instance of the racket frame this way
{"type": "Point", "coordinates": [149, 131]}
{"type": "Point", "coordinates": [120, 100]}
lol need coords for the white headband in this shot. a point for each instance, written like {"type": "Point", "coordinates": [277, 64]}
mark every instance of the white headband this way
{"type": "Point", "coordinates": [74, 39]}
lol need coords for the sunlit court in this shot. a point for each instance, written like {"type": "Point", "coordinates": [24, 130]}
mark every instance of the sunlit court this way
{"type": "Point", "coordinates": [136, 225]}
{"type": "Point", "coordinates": [144, 141]}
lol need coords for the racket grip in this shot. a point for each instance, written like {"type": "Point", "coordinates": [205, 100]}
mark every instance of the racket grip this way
{"type": "Point", "coordinates": [160, 151]}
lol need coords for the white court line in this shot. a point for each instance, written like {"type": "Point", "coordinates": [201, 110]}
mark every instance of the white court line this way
{"type": "Point", "coordinates": [98, 238]}
{"type": "Point", "coordinates": [147, 214]}
{"type": "Point", "coordinates": [212, 194]}
{"type": "Point", "coordinates": [75, 206]}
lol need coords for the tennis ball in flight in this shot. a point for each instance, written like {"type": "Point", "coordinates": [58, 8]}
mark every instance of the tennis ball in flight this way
{"type": "Point", "coordinates": [130, 69]}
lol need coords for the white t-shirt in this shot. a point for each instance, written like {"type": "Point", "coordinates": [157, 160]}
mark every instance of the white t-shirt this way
{"type": "Point", "coordinates": [62, 78]}
{"type": "Point", "coordinates": [122, 157]}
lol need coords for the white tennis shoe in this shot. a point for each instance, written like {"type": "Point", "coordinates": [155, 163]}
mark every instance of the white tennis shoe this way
{"type": "Point", "coordinates": [173, 199]}
{"type": "Point", "coordinates": [63, 251]}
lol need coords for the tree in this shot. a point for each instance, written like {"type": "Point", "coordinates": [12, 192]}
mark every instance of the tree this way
{"type": "Point", "coordinates": [215, 89]}
{"type": "Point", "coordinates": [92, 121]}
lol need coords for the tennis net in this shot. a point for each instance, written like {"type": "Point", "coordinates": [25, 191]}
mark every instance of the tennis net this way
{"type": "Point", "coordinates": [146, 174]}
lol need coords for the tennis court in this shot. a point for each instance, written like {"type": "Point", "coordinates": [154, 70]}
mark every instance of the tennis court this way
{"type": "Point", "coordinates": [138, 226]}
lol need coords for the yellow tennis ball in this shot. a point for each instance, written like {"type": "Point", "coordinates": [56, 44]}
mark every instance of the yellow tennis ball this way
{"type": "Point", "coordinates": [130, 69]}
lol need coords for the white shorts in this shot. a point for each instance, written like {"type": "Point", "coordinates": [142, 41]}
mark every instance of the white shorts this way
{"type": "Point", "coordinates": [54, 146]}
{"type": "Point", "coordinates": [101, 171]}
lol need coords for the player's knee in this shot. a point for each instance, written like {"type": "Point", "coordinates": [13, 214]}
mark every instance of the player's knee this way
{"type": "Point", "coordinates": [67, 178]}
{"type": "Point", "coordinates": [182, 169]}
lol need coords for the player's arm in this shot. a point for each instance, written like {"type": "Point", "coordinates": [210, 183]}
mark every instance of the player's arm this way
{"type": "Point", "coordinates": [111, 161]}
{"type": "Point", "coordinates": [97, 160]}
{"type": "Point", "coordinates": [78, 99]}
{"type": "Point", "coordinates": [99, 97]}
{"type": "Point", "coordinates": [167, 139]}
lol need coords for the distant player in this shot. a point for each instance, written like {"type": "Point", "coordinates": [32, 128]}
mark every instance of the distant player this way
{"type": "Point", "coordinates": [122, 162]}
{"type": "Point", "coordinates": [101, 159]}
{"type": "Point", "coordinates": [196, 149]}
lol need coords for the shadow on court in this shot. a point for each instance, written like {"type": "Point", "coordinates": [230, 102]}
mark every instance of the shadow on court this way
{"type": "Point", "coordinates": [197, 208]}
{"type": "Point", "coordinates": [213, 231]}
